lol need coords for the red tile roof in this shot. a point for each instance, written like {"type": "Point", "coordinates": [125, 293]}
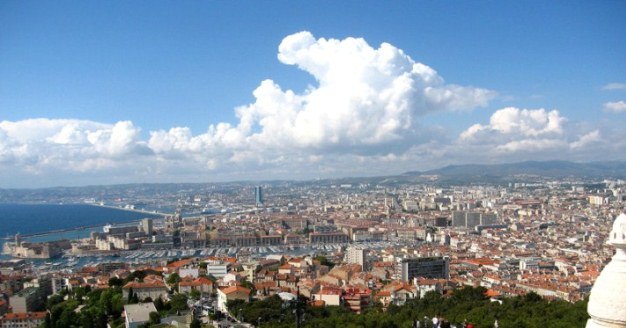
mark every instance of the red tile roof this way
{"type": "Point", "coordinates": [233, 289]}
{"type": "Point", "coordinates": [178, 264]}
{"type": "Point", "coordinates": [139, 285]}
{"type": "Point", "coordinates": [23, 316]}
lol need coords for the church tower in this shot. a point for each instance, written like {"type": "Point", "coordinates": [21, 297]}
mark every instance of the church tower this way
{"type": "Point", "coordinates": [607, 302]}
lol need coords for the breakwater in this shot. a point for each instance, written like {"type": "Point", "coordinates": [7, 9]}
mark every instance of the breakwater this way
{"type": "Point", "coordinates": [37, 221]}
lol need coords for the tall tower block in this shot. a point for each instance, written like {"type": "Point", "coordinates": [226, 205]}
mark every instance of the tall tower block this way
{"type": "Point", "coordinates": [258, 195]}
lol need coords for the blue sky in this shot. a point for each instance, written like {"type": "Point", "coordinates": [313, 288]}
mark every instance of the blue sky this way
{"type": "Point", "coordinates": [144, 67]}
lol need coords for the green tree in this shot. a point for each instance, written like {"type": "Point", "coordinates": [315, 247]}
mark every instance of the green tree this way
{"type": "Point", "coordinates": [178, 303]}
{"type": "Point", "coordinates": [130, 295]}
{"type": "Point", "coordinates": [155, 318]}
{"type": "Point", "coordinates": [105, 301]}
{"type": "Point", "coordinates": [47, 321]}
{"type": "Point", "coordinates": [158, 304]}
{"type": "Point", "coordinates": [195, 323]}
{"type": "Point", "coordinates": [173, 279]}
{"type": "Point", "coordinates": [117, 304]}
{"type": "Point", "coordinates": [324, 261]}
{"type": "Point", "coordinates": [101, 319]}
{"type": "Point", "coordinates": [532, 297]}
{"type": "Point", "coordinates": [250, 286]}
{"type": "Point", "coordinates": [135, 299]}
{"type": "Point", "coordinates": [53, 300]}
{"type": "Point", "coordinates": [116, 282]}
{"type": "Point", "coordinates": [194, 294]}
{"type": "Point", "coordinates": [136, 275]}
{"type": "Point", "coordinates": [68, 318]}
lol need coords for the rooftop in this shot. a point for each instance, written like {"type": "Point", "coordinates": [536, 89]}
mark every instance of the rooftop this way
{"type": "Point", "coordinates": [139, 312]}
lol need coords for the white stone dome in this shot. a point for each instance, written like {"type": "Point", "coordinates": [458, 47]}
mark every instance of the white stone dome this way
{"type": "Point", "coordinates": [618, 233]}
{"type": "Point", "coordinates": [607, 302]}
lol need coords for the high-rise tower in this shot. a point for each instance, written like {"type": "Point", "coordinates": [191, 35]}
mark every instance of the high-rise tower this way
{"type": "Point", "coordinates": [258, 195]}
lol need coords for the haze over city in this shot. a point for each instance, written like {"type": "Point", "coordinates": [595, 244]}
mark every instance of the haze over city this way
{"type": "Point", "coordinates": [123, 92]}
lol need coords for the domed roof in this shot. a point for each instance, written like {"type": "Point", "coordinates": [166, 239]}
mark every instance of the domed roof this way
{"type": "Point", "coordinates": [618, 233]}
{"type": "Point", "coordinates": [607, 302]}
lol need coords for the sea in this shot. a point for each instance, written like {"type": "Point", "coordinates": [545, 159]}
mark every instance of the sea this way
{"type": "Point", "coordinates": [28, 219]}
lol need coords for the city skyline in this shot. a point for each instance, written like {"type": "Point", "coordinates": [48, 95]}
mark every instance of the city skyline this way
{"type": "Point", "coordinates": [101, 93]}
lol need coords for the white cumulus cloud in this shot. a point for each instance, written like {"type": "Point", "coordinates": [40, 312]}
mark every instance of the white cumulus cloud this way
{"type": "Point", "coordinates": [514, 131]}
{"type": "Point", "coordinates": [615, 107]}
{"type": "Point", "coordinates": [365, 101]}
{"type": "Point", "coordinates": [516, 124]}
{"type": "Point", "coordinates": [586, 139]}
{"type": "Point", "coordinates": [66, 143]}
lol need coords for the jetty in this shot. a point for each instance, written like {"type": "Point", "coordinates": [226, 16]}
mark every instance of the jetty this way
{"type": "Point", "coordinates": [99, 225]}
{"type": "Point", "coordinates": [132, 209]}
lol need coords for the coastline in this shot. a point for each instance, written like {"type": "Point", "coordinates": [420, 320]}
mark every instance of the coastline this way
{"type": "Point", "coordinates": [127, 209]}
{"type": "Point", "coordinates": [41, 235]}
{"type": "Point", "coordinates": [57, 231]}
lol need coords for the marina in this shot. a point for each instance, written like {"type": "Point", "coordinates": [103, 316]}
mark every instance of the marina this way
{"type": "Point", "coordinates": [73, 263]}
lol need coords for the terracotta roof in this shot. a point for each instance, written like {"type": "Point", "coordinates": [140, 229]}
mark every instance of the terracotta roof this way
{"type": "Point", "coordinates": [204, 281]}
{"type": "Point", "coordinates": [265, 284]}
{"type": "Point", "coordinates": [138, 285]}
{"type": "Point", "coordinates": [330, 291]}
{"type": "Point", "coordinates": [492, 293]}
{"type": "Point", "coordinates": [178, 264]}
{"type": "Point", "coordinates": [23, 316]}
{"type": "Point", "coordinates": [233, 289]}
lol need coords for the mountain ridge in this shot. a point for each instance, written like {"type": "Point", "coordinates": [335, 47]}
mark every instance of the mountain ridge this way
{"type": "Point", "coordinates": [555, 168]}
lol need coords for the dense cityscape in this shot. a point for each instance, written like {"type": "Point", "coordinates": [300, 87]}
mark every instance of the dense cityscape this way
{"type": "Point", "coordinates": [357, 247]}
{"type": "Point", "coordinates": [312, 164]}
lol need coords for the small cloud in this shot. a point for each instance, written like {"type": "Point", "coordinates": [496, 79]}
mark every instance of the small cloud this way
{"type": "Point", "coordinates": [522, 123]}
{"type": "Point", "coordinates": [586, 140]}
{"type": "Point", "coordinates": [615, 86]}
{"type": "Point", "coordinates": [512, 131]}
{"type": "Point", "coordinates": [615, 107]}
{"type": "Point", "coordinates": [530, 145]}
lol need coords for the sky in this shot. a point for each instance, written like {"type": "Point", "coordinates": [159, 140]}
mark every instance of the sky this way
{"type": "Point", "coordinates": [108, 92]}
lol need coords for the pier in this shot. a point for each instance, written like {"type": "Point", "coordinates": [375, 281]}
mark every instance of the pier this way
{"type": "Point", "coordinates": [131, 209]}
{"type": "Point", "coordinates": [52, 232]}
{"type": "Point", "coordinates": [99, 225]}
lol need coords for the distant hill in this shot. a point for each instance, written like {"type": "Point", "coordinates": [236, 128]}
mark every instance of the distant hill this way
{"type": "Point", "coordinates": [450, 175]}
{"type": "Point", "coordinates": [546, 169]}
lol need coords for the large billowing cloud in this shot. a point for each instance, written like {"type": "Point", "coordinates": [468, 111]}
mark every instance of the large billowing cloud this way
{"type": "Point", "coordinates": [364, 98]}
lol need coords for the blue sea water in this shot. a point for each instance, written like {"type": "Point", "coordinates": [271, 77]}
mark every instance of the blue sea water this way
{"type": "Point", "coordinates": [36, 218]}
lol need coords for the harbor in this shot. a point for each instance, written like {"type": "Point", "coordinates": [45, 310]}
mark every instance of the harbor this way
{"type": "Point", "coordinates": [72, 263]}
